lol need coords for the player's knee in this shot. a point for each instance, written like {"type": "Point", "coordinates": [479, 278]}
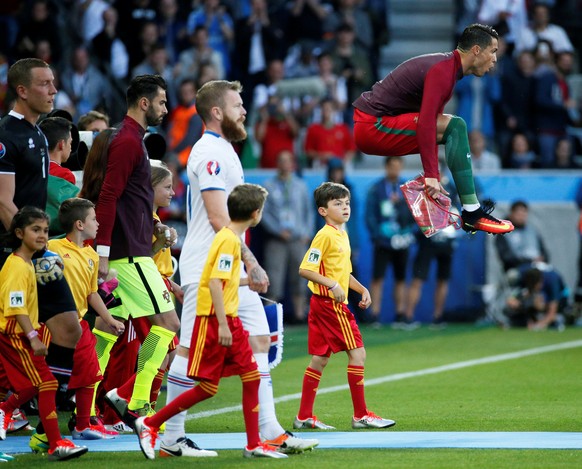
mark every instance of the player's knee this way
{"type": "Point", "coordinates": [458, 123]}
{"type": "Point", "coordinates": [318, 362]}
{"type": "Point", "coordinates": [65, 329]}
{"type": "Point", "coordinates": [260, 343]}
{"type": "Point", "coordinates": [167, 320]}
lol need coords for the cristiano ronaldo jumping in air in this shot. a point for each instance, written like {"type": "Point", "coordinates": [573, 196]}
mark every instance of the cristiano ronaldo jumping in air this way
{"type": "Point", "coordinates": [403, 115]}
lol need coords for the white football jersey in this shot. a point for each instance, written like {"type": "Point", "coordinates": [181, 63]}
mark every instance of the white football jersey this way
{"type": "Point", "coordinates": [213, 165]}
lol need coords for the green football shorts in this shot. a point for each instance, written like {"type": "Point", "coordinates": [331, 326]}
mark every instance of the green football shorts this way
{"type": "Point", "coordinates": [141, 289]}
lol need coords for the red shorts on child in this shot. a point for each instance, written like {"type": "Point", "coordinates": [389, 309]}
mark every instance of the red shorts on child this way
{"type": "Point", "coordinates": [210, 361]}
{"type": "Point", "coordinates": [22, 367]}
{"type": "Point", "coordinates": [332, 327]}
{"type": "Point", "coordinates": [86, 370]}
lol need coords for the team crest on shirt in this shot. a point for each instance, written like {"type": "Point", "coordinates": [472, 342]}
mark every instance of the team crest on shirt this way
{"type": "Point", "coordinates": [225, 262]}
{"type": "Point", "coordinates": [213, 168]}
{"type": "Point", "coordinates": [314, 256]}
{"type": "Point", "coordinates": [2, 150]}
{"type": "Point", "coordinates": [31, 143]}
{"type": "Point", "coordinates": [16, 299]}
{"type": "Point", "coordinates": [91, 265]}
{"type": "Point", "coordinates": [166, 296]}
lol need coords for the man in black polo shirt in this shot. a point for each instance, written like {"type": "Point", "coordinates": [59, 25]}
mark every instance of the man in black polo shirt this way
{"type": "Point", "coordinates": [24, 168]}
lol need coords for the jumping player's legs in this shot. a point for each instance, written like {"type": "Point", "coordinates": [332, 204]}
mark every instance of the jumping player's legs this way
{"type": "Point", "coordinates": [397, 136]}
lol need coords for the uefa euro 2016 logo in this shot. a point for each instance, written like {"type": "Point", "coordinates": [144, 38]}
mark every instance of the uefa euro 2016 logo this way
{"type": "Point", "coordinates": [213, 168]}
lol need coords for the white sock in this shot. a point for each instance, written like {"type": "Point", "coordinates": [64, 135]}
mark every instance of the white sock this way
{"type": "Point", "coordinates": [269, 427]}
{"type": "Point", "coordinates": [178, 383]}
{"type": "Point", "coordinates": [471, 207]}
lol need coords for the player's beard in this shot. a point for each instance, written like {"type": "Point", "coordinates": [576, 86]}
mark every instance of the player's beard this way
{"type": "Point", "coordinates": [153, 119]}
{"type": "Point", "coordinates": [232, 130]}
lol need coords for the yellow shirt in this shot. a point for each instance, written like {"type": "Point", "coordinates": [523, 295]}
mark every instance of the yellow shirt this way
{"type": "Point", "coordinates": [81, 270]}
{"type": "Point", "coordinates": [17, 294]}
{"type": "Point", "coordinates": [163, 258]}
{"type": "Point", "coordinates": [223, 262]}
{"type": "Point", "coordinates": [329, 255]}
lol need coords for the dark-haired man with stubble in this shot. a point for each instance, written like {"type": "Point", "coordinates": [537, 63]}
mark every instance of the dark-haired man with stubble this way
{"type": "Point", "coordinates": [124, 242]}
{"type": "Point", "coordinates": [403, 115]}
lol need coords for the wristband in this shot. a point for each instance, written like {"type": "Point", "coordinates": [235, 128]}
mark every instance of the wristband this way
{"type": "Point", "coordinates": [103, 250]}
{"type": "Point", "coordinates": [334, 285]}
{"type": "Point", "coordinates": [32, 334]}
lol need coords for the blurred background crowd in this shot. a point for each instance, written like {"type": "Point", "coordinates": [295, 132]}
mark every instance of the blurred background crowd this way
{"type": "Point", "coordinates": [302, 63]}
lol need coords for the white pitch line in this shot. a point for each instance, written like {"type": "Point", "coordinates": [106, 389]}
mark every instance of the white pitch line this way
{"type": "Point", "coordinates": [409, 374]}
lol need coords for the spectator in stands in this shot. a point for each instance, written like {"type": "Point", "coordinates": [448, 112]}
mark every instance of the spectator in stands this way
{"type": "Point", "coordinates": [482, 159]}
{"type": "Point", "coordinates": [390, 225]}
{"type": "Point", "coordinates": [43, 51]}
{"type": "Point", "coordinates": [213, 15]}
{"type": "Point", "coordinates": [135, 13]}
{"type": "Point", "coordinates": [62, 100]}
{"type": "Point", "coordinates": [305, 21]}
{"type": "Point", "coordinates": [565, 68]}
{"type": "Point", "coordinates": [335, 85]}
{"type": "Point", "coordinates": [439, 247]}
{"type": "Point", "coordinates": [300, 61]}
{"type": "Point", "coordinates": [172, 29]}
{"type": "Point", "coordinates": [541, 29]}
{"type": "Point", "coordinates": [521, 156]}
{"type": "Point", "coordinates": [288, 219]}
{"type": "Point", "coordinates": [155, 63]}
{"type": "Point", "coordinates": [564, 154]}
{"type": "Point", "coordinates": [9, 27]}
{"type": "Point", "coordinates": [139, 45]}
{"type": "Point", "coordinates": [275, 131]}
{"type": "Point", "coordinates": [352, 63]}
{"type": "Point", "coordinates": [538, 301]}
{"type": "Point", "coordinates": [568, 14]}
{"type": "Point", "coordinates": [516, 107]}
{"type": "Point", "coordinates": [551, 104]}
{"type": "Point", "coordinates": [90, 18]}
{"type": "Point", "coordinates": [329, 139]}
{"type": "Point", "coordinates": [158, 63]}
{"type": "Point", "coordinates": [351, 12]}
{"type": "Point", "coordinates": [509, 18]}
{"type": "Point", "coordinates": [190, 60]}
{"type": "Point", "coordinates": [109, 48]}
{"type": "Point", "coordinates": [258, 40]}
{"type": "Point", "coordinates": [379, 12]}
{"type": "Point", "coordinates": [184, 124]}
{"type": "Point", "coordinates": [84, 83]}
{"type": "Point", "coordinates": [525, 245]}
{"type": "Point", "coordinates": [206, 73]}
{"type": "Point", "coordinates": [476, 99]}
{"type": "Point", "coordinates": [93, 121]}
{"type": "Point", "coordinates": [40, 24]}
